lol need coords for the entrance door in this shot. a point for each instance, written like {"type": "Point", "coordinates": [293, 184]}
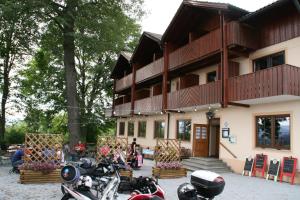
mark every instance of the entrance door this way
{"type": "Point", "coordinates": [201, 140]}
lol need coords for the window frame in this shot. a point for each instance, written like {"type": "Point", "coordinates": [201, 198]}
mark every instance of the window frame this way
{"type": "Point", "coordinates": [269, 58]}
{"type": "Point", "coordinates": [154, 135]}
{"type": "Point", "coordinates": [139, 129]}
{"type": "Point", "coordinates": [122, 128]}
{"type": "Point", "coordinates": [177, 130]}
{"type": "Point", "coordinates": [216, 77]}
{"type": "Point", "coordinates": [128, 129]}
{"type": "Point", "coordinates": [272, 145]}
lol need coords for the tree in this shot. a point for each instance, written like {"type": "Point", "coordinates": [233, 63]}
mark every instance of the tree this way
{"type": "Point", "coordinates": [17, 35]}
{"type": "Point", "coordinates": [89, 34]}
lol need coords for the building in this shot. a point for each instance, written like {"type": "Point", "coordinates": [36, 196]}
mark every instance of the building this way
{"type": "Point", "coordinates": [216, 67]}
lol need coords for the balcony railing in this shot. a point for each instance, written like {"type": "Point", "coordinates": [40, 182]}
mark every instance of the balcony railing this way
{"type": "Point", "coordinates": [275, 81]}
{"type": "Point", "coordinates": [123, 109]}
{"type": "Point", "coordinates": [148, 105]}
{"type": "Point", "coordinates": [198, 48]}
{"type": "Point", "coordinates": [124, 82]}
{"type": "Point", "coordinates": [195, 96]}
{"type": "Point", "coordinates": [242, 35]}
{"type": "Point", "coordinates": [149, 71]}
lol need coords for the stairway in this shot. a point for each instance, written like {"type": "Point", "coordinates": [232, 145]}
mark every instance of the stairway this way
{"type": "Point", "coordinates": [211, 164]}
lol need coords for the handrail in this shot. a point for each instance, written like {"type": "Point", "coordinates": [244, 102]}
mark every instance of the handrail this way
{"type": "Point", "coordinates": [228, 150]}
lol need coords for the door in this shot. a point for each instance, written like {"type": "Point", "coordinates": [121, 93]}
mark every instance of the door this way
{"type": "Point", "coordinates": [201, 140]}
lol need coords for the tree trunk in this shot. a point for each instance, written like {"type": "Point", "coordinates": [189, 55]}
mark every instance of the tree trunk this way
{"type": "Point", "coordinates": [5, 92]}
{"type": "Point", "coordinates": [70, 73]}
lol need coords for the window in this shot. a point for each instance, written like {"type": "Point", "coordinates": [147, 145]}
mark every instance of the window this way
{"type": "Point", "coordinates": [121, 128]}
{"type": "Point", "coordinates": [142, 129]}
{"type": "Point", "coordinates": [184, 130]}
{"type": "Point", "coordinates": [269, 61]}
{"type": "Point", "coordinates": [273, 131]}
{"type": "Point", "coordinates": [211, 76]}
{"type": "Point", "coordinates": [159, 129]}
{"type": "Point", "coordinates": [130, 129]}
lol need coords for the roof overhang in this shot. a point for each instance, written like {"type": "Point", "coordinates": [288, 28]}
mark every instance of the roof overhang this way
{"type": "Point", "coordinates": [122, 64]}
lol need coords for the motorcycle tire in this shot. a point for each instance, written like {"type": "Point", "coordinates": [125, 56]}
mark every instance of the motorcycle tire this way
{"type": "Point", "coordinates": [67, 197]}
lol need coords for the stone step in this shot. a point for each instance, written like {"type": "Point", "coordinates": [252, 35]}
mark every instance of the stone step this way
{"type": "Point", "coordinates": [206, 167]}
{"type": "Point", "coordinates": [202, 162]}
{"type": "Point", "coordinates": [219, 171]}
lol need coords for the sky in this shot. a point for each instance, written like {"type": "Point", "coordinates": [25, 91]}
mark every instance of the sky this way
{"type": "Point", "coordinates": [160, 12]}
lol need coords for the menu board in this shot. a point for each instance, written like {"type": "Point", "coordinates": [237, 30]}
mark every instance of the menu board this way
{"type": "Point", "coordinates": [248, 164]}
{"type": "Point", "coordinates": [259, 161]}
{"type": "Point", "coordinates": [274, 167]}
{"type": "Point", "coordinates": [288, 165]}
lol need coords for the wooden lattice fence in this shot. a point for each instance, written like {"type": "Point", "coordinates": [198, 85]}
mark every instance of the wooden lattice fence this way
{"type": "Point", "coordinates": [114, 144]}
{"type": "Point", "coordinates": [43, 148]}
{"type": "Point", "coordinates": [167, 151]}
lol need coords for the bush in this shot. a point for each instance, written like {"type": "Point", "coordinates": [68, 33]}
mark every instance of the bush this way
{"type": "Point", "coordinates": [15, 134]}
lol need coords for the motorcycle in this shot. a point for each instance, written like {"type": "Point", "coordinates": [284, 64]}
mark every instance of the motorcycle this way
{"type": "Point", "coordinates": [205, 185]}
{"type": "Point", "coordinates": [82, 187]}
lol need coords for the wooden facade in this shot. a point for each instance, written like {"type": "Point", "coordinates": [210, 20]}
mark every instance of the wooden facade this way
{"type": "Point", "coordinates": [226, 33]}
{"type": "Point", "coordinates": [275, 81]}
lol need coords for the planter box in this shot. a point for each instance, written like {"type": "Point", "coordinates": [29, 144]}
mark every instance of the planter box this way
{"type": "Point", "coordinates": [126, 173]}
{"type": "Point", "coordinates": [168, 173]}
{"type": "Point", "coordinates": [30, 176]}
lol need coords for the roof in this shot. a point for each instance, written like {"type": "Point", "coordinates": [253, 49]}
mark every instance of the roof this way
{"type": "Point", "coordinates": [276, 4]}
{"type": "Point", "coordinates": [149, 40]}
{"type": "Point", "coordinates": [122, 63]}
{"type": "Point", "coordinates": [205, 5]}
{"type": "Point", "coordinates": [126, 55]}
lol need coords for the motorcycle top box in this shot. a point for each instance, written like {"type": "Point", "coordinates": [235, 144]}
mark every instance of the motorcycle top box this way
{"type": "Point", "coordinates": [208, 184]}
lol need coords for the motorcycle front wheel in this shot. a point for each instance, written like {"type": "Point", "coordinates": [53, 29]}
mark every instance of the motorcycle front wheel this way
{"type": "Point", "coordinates": [67, 197]}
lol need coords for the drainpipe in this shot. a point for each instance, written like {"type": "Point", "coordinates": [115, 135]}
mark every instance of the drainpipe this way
{"type": "Point", "coordinates": [168, 126]}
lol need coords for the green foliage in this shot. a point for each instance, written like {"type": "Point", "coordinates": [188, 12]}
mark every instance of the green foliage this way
{"type": "Point", "coordinates": [16, 133]}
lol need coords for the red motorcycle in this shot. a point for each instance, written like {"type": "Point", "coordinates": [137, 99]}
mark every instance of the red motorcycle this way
{"type": "Point", "coordinates": [146, 188]}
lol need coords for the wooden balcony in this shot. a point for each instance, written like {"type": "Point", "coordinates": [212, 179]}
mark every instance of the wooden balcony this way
{"type": "Point", "coordinates": [124, 83]}
{"type": "Point", "coordinates": [195, 50]}
{"type": "Point", "coordinates": [148, 105]}
{"type": "Point", "coordinates": [242, 36]}
{"type": "Point", "coordinates": [149, 71]}
{"type": "Point", "coordinates": [123, 110]}
{"type": "Point", "coordinates": [195, 96]}
{"type": "Point", "coordinates": [271, 82]}
{"type": "Point", "coordinates": [108, 112]}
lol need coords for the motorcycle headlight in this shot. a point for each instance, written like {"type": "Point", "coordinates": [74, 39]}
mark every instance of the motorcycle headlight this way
{"type": "Point", "coordinates": [70, 174]}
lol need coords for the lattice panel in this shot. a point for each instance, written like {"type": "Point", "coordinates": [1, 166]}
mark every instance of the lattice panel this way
{"type": "Point", "coordinates": [43, 148]}
{"type": "Point", "coordinates": [167, 150]}
{"type": "Point", "coordinates": [115, 145]}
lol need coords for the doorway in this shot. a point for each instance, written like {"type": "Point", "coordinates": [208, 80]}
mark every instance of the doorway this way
{"type": "Point", "coordinates": [201, 140]}
{"type": "Point", "coordinates": [214, 139]}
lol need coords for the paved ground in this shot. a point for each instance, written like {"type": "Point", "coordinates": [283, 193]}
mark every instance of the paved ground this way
{"type": "Point", "coordinates": [237, 188]}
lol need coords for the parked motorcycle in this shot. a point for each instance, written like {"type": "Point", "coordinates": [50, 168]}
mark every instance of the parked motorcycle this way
{"type": "Point", "coordinates": [205, 185]}
{"type": "Point", "coordinates": [78, 186]}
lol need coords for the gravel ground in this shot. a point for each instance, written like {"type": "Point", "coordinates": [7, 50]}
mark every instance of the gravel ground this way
{"type": "Point", "coordinates": [237, 188]}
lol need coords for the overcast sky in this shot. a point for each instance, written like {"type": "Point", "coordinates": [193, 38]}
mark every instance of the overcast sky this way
{"type": "Point", "coordinates": [160, 12]}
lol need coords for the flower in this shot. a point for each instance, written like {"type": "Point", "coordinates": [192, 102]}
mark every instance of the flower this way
{"type": "Point", "coordinates": [169, 165]}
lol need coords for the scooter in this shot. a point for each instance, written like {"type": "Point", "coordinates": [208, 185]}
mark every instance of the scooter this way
{"type": "Point", "coordinates": [205, 185]}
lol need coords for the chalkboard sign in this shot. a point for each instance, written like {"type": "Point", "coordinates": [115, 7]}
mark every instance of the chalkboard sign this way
{"type": "Point", "coordinates": [259, 161]}
{"type": "Point", "coordinates": [248, 164]}
{"type": "Point", "coordinates": [288, 165]}
{"type": "Point", "coordinates": [274, 167]}
{"type": "Point", "coordinates": [289, 168]}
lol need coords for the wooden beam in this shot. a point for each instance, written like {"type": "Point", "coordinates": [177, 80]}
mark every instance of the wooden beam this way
{"type": "Point", "coordinates": [239, 104]}
{"type": "Point", "coordinates": [113, 100]}
{"type": "Point", "coordinates": [165, 77]}
{"type": "Point", "coordinates": [175, 111]}
{"type": "Point", "coordinates": [133, 96]}
{"type": "Point", "coordinates": [240, 54]}
{"type": "Point", "coordinates": [225, 64]}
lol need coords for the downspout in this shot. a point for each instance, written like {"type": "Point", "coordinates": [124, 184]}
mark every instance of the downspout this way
{"type": "Point", "coordinates": [168, 126]}
{"type": "Point", "coordinates": [297, 5]}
